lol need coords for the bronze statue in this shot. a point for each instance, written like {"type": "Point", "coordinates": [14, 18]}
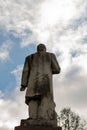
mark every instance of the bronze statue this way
{"type": "Point", "coordinates": [37, 79]}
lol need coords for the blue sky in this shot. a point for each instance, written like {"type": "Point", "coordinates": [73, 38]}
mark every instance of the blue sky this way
{"type": "Point", "coordinates": [62, 27]}
{"type": "Point", "coordinates": [17, 56]}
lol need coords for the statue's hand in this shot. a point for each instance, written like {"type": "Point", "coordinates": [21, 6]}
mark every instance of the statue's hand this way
{"type": "Point", "coordinates": [22, 88]}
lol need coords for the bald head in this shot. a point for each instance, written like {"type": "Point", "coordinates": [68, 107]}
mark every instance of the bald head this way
{"type": "Point", "coordinates": [41, 47]}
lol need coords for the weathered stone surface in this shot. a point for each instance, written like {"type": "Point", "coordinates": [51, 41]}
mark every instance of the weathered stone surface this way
{"type": "Point", "coordinates": [37, 79]}
{"type": "Point", "coordinates": [37, 128]}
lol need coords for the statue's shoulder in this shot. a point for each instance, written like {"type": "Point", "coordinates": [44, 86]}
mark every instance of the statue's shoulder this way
{"type": "Point", "coordinates": [50, 54]}
{"type": "Point", "coordinates": [30, 56]}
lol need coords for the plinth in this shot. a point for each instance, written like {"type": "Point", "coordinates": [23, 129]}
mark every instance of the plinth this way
{"type": "Point", "coordinates": [37, 128]}
{"type": "Point", "coordinates": [27, 124]}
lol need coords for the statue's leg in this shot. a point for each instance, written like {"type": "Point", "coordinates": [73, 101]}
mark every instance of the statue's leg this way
{"type": "Point", "coordinates": [47, 108]}
{"type": "Point", "coordinates": [42, 111]}
{"type": "Point", "coordinates": [33, 109]}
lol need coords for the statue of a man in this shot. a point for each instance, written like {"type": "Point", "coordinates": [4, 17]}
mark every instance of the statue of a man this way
{"type": "Point", "coordinates": [37, 78]}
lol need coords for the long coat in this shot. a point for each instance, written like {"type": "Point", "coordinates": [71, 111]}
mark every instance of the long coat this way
{"type": "Point", "coordinates": [37, 73]}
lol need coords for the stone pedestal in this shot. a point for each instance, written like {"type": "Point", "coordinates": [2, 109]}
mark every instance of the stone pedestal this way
{"type": "Point", "coordinates": [38, 122]}
{"type": "Point", "coordinates": [37, 128]}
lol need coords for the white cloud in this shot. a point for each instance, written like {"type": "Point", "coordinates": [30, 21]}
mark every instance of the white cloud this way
{"type": "Point", "coordinates": [5, 50]}
{"type": "Point", "coordinates": [54, 19]}
{"type": "Point", "coordinates": [11, 113]}
{"type": "Point", "coordinates": [45, 19]}
{"type": "Point", "coordinates": [17, 73]}
{"type": "Point", "coordinates": [71, 92]}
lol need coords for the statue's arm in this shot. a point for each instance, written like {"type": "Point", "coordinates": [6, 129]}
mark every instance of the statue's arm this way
{"type": "Point", "coordinates": [25, 75]}
{"type": "Point", "coordinates": [54, 64]}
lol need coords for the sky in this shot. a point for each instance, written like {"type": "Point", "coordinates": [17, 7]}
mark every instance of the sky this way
{"type": "Point", "coordinates": [62, 27]}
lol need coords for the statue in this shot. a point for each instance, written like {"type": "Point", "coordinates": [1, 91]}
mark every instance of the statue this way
{"type": "Point", "coordinates": [37, 80]}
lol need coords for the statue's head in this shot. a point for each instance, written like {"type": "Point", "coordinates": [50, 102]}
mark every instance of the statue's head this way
{"type": "Point", "coordinates": [41, 48]}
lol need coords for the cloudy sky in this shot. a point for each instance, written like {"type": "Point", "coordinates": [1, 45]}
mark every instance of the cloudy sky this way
{"type": "Point", "coordinates": [62, 26]}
